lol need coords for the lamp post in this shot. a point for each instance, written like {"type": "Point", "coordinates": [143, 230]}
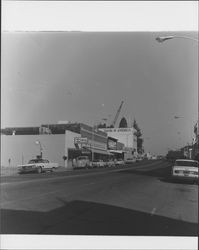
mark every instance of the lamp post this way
{"type": "Point", "coordinates": [40, 147]}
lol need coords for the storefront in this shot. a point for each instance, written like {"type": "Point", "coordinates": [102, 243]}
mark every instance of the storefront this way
{"type": "Point", "coordinates": [115, 148]}
{"type": "Point", "coordinates": [62, 144]}
{"type": "Point", "coordinates": [123, 135]}
{"type": "Point", "coordinates": [90, 142]}
{"type": "Point", "coordinates": [126, 145]}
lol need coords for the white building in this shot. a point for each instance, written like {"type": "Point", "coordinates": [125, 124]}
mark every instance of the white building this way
{"type": "Point", "coordinates": [126, 136]}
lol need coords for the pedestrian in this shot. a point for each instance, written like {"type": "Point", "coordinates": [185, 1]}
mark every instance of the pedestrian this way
{"type": "Point", "coordinates": [9, 161]}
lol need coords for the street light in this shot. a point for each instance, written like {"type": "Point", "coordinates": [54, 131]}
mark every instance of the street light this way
{"type": "Point", "coordinates": [39, 143]}
{"type": "Point", "coordinates": [178, 117]}
{"type": "Point", "coordinates": [162, 39]}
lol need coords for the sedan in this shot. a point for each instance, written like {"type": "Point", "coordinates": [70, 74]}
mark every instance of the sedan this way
{"type": "Point", "coordinates": [185, 169]}
{"type": "Point", "coordinates": [119, 162]}
{"type": "Point", "coordinates": [98, 163]}
{"type": "Point", "coordinates": [130, 160]}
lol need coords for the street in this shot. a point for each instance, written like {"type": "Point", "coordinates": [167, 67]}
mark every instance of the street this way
{"type": "Point", "coordinates": [133, 200]}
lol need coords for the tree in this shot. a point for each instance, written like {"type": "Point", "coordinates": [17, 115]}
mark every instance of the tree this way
{"type": "Point", "coordinates": [140, 140]}
{"type": "Point", "coordinates": [136, 127]}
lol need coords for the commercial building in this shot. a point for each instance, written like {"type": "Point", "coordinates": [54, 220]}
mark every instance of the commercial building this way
{"type": "Point", "coordinates": [58, 142]}
{"type": "Point", "coordinates": [127, 137]}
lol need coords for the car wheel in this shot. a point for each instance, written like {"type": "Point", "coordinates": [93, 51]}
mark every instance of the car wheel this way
{"type": "Point", "coordinates": [39, 170]}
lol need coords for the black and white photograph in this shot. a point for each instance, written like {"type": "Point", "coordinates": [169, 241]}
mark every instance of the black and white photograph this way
{"type": "Point", "coordinates": [99, 125]}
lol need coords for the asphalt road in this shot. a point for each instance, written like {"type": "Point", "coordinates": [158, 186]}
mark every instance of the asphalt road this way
{"type": "Point", "coordinates": [134, 200]}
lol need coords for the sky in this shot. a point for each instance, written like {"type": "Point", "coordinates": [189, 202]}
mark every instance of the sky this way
{"type": "Point", "coordinates": [51, 74]}
{"type": "Point", "coordinates": [47, 77]}
{"type": "Point", "coordinates": [83, 77]}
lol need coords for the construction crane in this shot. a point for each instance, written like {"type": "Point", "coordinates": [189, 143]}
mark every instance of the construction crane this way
{"type": "Point", "coordinates": [116, 116]}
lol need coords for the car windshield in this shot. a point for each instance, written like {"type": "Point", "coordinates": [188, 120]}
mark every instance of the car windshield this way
{"type": "Point", "coordinates": [34, 161]}
{"type": "Point", "coordinates": [186, 163]}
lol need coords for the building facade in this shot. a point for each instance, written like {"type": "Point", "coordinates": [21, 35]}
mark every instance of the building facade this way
{"type": "Point", "coordinates": [127, 137]}
{"type": "Point", "coordinates": [59, 143]}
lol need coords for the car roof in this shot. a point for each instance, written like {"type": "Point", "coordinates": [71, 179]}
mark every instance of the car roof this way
{"type": "Point", "coordinates": [186, 160]}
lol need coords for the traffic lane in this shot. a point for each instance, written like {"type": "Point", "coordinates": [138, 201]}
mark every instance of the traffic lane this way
{"type": "Point", "coordinates": [27, 189]}
{"type": "Point", "coordinates": [16, 196]}
{"type": "Point", "coordinates": [162, 205]}
{"type": "Point", "coordinates": [64, 172]}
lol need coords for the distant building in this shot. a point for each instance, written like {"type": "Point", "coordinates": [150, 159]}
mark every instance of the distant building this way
{"type": "Point", "coordinates": [195, 150]}
{"type": "Point", "coordinates": [127, 137]}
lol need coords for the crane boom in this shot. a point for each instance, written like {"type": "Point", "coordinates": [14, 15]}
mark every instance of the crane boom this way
{"type": "Point", "coordinates": [117, 114]}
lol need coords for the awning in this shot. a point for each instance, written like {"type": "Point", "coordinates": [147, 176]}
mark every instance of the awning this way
{"type": "Point", "coordinates": [117, 151]}
{"type": "Point", "coordinates": [103, 152]}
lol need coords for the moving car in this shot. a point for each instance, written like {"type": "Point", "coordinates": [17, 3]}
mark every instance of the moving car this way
{"type": "Point", "coordinates": [82, 162]}
{"type": "Point", "coordinates": [37, 165]}
{"type": "Point", "coordinates": [185, 169]}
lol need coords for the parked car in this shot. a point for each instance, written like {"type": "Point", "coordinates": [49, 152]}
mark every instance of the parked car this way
{"type": "Point", "coordinates": [98, 163]}
{"type": "Point", "coordinates": [82, 162]}
{"type": "Point", "coordinates": [138, 159]}
{"type": "Point", "coordinates": [110, 163]}
{"type": "Point", "coordinates": [185, 169]}
{"type": "Point", "coordinates": [37, 165]}
{"type": "Point", "coordinates": [119, 162]}
{"type": "Point", "coordinates": [130, 160]}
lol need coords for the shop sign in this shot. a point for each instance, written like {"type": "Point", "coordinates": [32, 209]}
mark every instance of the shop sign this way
{"type": "Point", "coordinates": [112, 144]}
{"type": "Point", "coordinates": [44, 130]}
{"type": "Point", "coordinates": [84, 151]}
{"type": "Point", "coordinates": [117, 130]}
{"type": "Point", "coordinates": [80, 140]}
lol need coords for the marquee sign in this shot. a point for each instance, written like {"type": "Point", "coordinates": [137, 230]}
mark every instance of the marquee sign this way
{"type": "Point", "coordinates": [118, 129]}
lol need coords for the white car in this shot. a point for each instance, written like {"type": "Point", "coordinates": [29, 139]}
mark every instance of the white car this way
{"type": "Point", "coordinates": [119, 162]}
{"type": "Point", "coordinates": [130, 160]}
{"type": "Point", "coordinates": [185, 169]}
{"type": "Point", "coordinates": [98, 163]}
{"type": "Point", "coordinates": [110, 163]}
{"type": "Point", "coordinates": [37, 165]}
{"type": "Point", "coordinates": [83, 162]}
